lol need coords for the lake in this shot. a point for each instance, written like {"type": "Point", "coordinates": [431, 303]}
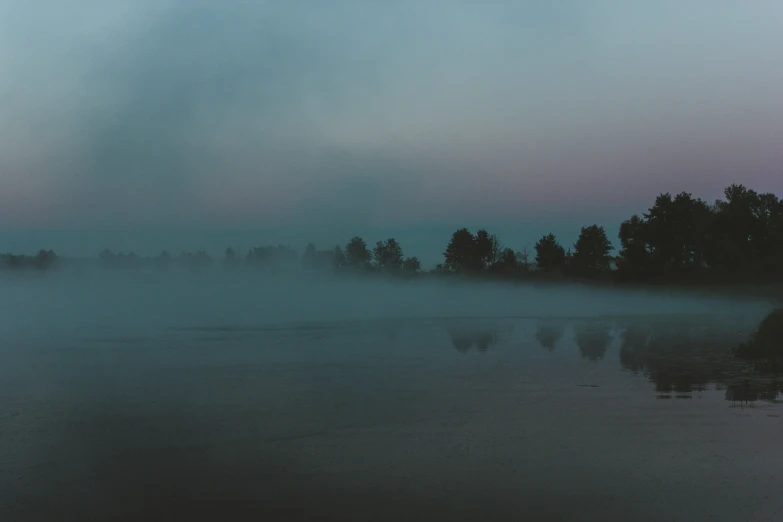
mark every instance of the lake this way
{"type": "Point", "coordinates": [378, 416]}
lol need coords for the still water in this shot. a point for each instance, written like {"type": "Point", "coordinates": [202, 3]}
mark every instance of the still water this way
{"type": "Point", "coordinates": [630, 418]}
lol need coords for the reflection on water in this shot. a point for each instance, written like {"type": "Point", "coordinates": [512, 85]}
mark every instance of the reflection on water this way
{"type": "Point", "coordinates": [329, 422]}
{"type": "Point", "coordinates": [463, 339]}
{"type": "Point", "coordinates": [593, 339]}
{"type": "Point", "coordinates": [679, 356]}
{"type": "Point", "coordinates": [548, 334]}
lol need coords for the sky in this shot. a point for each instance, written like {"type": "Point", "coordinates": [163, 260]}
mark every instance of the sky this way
{"type": "Point", "coordinates": [313, 120]}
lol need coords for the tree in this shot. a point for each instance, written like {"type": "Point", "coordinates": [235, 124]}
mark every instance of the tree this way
{"type": "Point", "coordinates": [388, 255]}
{"type": "Point", "coordinates": [507, 263]}
{"type": "Point", "coordinates": [550, 255]}
{"type": "Point", "coordinates": [357, 255]}
{"type": "Point", "coordinates": [487, 248]}
{"type": "Point", "coordinates": [635, 258]}
{"type": "Point", "coordinates": [591, 250]}
{"type": "Point", "coordinates": [411, 265]}
{"type": "Point", "coordinates": [46, 259]}
{"type": "Point", "coordinates": [674, 230]}
{"type": "Point", "coordinates": [461, 253]}
{"type": "Point", "coordinates": [746, 232]}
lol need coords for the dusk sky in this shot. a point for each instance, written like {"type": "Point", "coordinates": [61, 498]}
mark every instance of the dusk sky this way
{"type": "Point", "coordinates": [337, 117]}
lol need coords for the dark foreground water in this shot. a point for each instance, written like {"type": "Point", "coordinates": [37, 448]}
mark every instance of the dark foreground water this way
{"type": "Point", "coordinates": [627, 419]}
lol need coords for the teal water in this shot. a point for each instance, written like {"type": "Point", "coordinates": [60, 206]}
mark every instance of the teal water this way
{"type": "Point", "coordinates": [463, 418]}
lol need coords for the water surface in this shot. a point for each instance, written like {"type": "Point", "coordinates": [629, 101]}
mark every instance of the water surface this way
{"type": "Point", "coordinates": [589, 418]}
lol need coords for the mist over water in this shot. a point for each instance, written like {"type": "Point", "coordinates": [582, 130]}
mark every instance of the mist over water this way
{"type": "Point", "coordinates": [101, 300]}
{"type": "Point", "coordinates": [223, 395]}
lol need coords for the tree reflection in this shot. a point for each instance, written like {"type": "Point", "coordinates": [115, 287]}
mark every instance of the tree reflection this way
{"type": "Point", "coordinates": [548, 334]}
{"type": "Point", "coordinates": [480, 338]}
{"type": "Point", "coordinates": [593, 339]}
{"type": "Point", "coordinates": [682, 357]}
{"type": "Point", "coordinates": [752, 391]}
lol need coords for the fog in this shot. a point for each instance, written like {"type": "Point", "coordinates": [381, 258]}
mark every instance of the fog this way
{"type": "Point", "coordinates": [87, 301]}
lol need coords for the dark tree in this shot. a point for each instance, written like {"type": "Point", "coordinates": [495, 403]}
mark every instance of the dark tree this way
{"type": "Point", "coordinates": [357, 255]}
{"type": "Point", "coordinates": [411, 265]}
{"type": "Point", "coordinates": [507, 263]}
{"type": "Point", "coordinates": [635, 258]}
{"type": "Point", "coordinates": [674, 230]}
{"type": "Point", "coordinates": [487, 248]}
{"type": "Point", "coordinates": [388, 256]}
{"type": "Point", "coordinates": [461, 253]}
{"type": "Point", "coordinates": [550, 255]}
{"type": "Point", "coordinates": [591, 250]}
{"type": "Point", "coordinates": [746, 233]}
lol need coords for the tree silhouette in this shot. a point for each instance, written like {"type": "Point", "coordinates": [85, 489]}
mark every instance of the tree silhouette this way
{"type": "Point", "coordinates": [487, 248]}
{"type": "Point", "coordinates": [591, 250]}
{"type": "Point", "coordinates": [507, 264]}
{"type": "Point", "coordinates": [411, 265]}
{"type": "Point", "coordinates": [388, 256]}
{"type": "Point", "coordinates": [634, 256]}
{"type": "Point", "coordinates": [357, 255]}
{"type": "Point", "coordinates": [550, 255]}
{"type": "Point", "coordinates": [675, 232]}
{"type": "Point", "coordinates": [679, 236]}
{"type": "Point", "coordinates": [462, 254]}
{"type": "Point", "coordinates": [747, 231]}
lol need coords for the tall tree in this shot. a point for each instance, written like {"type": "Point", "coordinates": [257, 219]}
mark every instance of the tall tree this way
{"type": "Point", "coordinates": [591, 250]}
{"type": "Point", "coordinates": [388, 255]}
{"type": "Point", "coordinates": [487, 248]}
{"type": "Point", "coordinates": [635, 258]}
{"type": "Point", "coordinates": [461, 253]}
{"type": "Point", "coordinates": [675, 230]}
{"type": "Point", "coordinates": [550, 255]}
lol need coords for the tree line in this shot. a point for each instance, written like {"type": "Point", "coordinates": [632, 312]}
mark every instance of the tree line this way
{"type": "Point", "coordinates": [679, 239]}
